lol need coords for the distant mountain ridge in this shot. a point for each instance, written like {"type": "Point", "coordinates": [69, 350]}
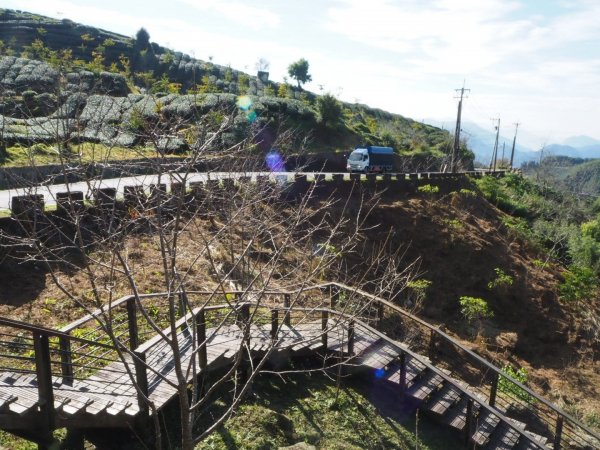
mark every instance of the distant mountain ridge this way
{"type": "Point", "coordinates": [581, 141]}
{"type": "Point", "coordinates": [481, 142]}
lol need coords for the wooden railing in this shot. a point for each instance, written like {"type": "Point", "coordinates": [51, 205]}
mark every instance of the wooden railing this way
{"type": "Point", "coordinates": [366, 311]}
{"type": "Point", "coordinates": [46, 354]}
{"type": "Point", "coordinates": [540, 415]}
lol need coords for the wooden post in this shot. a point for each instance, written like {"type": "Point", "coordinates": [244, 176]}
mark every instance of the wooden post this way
{"type": "Point", "coordinates": [334, 297]}
{"type": "Point", "coordinates": [380, 307]}
{"type": "Point", "coordinates": [558, 433]}
{"type": "Point", "coordinates": [274, 323]}
{"type": "Point", "coordinates": [431, 343]}
{"type": "Point", "coordinates": [494, 389]}
{"type": "Point", "coordinates": [201, 338]}
{"type": "Point", "coordinates": [469, 420]}
{"type": "Point", "coordinates": [245, 313]}
{"type": "Point", "coordinates": [132, 323]}
{"type": "Point", "coordinates": [402, 371]}
{"type": "Point", "coordinates": [141, 378]}
{"type": "Point", "coordinates": [351, 338]}
{"type": "Point", "coordinates": [66, 361]}
{"type": "Point", "coordinates": [324, 325]}
{"type": "Point", "coordinates": [43, 369]}
{"type": "Point", "coordinates": [142, 420]}
{"type": "Point", "coordinates": [245, 319]}
{"type": "Point", "coordinates": [182, 304]}
{"type": "Point", "coordinates": [288, 313]}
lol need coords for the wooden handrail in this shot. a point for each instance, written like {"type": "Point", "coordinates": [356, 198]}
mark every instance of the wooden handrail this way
{"type": "Point", "coordinates": [403, 349]}
{"type": "Point", "coordinates": [287, 293]}
{"type": "Point", "coordinates": [50, 332]}
{"type": "Point", "coordinates": [470, 353]}
{"type": "Point", "coordinates": [143, 348]}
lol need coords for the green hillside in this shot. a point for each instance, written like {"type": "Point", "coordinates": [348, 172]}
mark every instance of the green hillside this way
{"type": "Point", "coordinates": [55, 71]}
{"type": "Point", "coordinates": [576, 175]}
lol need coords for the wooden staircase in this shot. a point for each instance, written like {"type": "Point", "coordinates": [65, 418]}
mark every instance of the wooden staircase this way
{"type": "Point", "coordinates": [79, 383]}
{"type": "Point", "coordinates": [446, 400]}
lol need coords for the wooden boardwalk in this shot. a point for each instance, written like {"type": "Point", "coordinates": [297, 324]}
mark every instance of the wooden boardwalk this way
{"type": "Point", "coordinates": [108, 398]}
{"type": "Point", "coordinates": [59, 392]}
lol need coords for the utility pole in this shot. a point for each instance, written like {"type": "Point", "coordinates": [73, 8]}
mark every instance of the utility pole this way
{"type": "Point", "coordinates": [456, 146]}
{"type": "Point", "coordinates": [503, 145]}
{"type": "Point", "coordinates": [512, 153]}
{"type": "Point", "coordinates": [495, 152]}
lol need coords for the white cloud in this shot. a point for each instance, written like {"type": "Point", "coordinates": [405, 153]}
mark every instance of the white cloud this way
{"type": "Point", "coordinates": [458, 36]}
{"type": "Point", "coordinates": [243, 14]}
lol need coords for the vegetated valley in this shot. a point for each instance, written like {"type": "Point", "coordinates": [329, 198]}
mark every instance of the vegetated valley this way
{"type": "Point", "coordinates": [525, 247]}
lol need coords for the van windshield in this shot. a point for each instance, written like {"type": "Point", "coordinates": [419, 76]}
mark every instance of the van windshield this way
{"type": "Point", "coordinates": [355, 157]}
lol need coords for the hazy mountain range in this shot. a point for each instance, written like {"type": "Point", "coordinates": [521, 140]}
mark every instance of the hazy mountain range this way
{"type": "Point", "coordinates": [481, 141]}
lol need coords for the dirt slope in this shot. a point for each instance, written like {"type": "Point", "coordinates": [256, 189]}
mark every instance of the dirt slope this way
{"type": "Point", "coordinates": [459, 241]}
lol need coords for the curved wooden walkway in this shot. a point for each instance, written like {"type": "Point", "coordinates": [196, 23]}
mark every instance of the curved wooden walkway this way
{"type": "Point", "coordinates": [64, 391]}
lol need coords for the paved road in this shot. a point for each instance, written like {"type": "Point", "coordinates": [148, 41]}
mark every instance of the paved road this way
{"type": "Point", "coordinates": [49, 192]}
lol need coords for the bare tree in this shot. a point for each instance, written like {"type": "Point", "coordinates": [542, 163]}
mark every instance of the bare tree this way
{"type": "Point", "coordinates": [216, 235]}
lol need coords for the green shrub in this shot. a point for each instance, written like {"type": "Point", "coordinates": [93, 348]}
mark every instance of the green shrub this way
{"type": "Point", "coordinates": [474, 309]}
{"type": "Point", "coordinates": [417, 292]}
{"type": "Point", "coordinates": [468, 193]}
{"type": "Point", "coordinates": [496, 192]}
{"type": "Point", "coordinates": [454, 224]}
{"type": "Point", "coordinates": [591, 229]}
{"type": "Point", "coordinates": [502, 280]}
{"type": "Point", "coordinates": [580, 283]}
{"type": "Point", "coordinates": [508, 387]}
{"type": "Point", "coordinates": [330, 110]}
{"type": "Point", "coordinates": [428, 189]}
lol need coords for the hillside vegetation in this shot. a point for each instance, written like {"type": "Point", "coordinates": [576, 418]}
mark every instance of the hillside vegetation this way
{"type": "Point", "coordinates": [509, 266]}
{"type": "Point", "coordinates": [576, 175]}
{"type": "Point", "coordinates": [62, 81]}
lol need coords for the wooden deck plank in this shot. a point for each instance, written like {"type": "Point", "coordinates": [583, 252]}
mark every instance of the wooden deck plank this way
{"type": "Point", "coordinates": [423, 386]}
{"type": "Point", "coordinates": [443, 400]}
{"type": "Point", "coordinates": [504, 438]}
{"type": "Point", "coordinates": [378, 355]}
{"type": "Point", "coordinates": [486, 424]}
{"type": "Point", "coordinates": [413, 369]}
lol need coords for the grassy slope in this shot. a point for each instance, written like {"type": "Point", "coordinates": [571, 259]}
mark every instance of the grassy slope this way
{"type": "Point", "coordinates": [301, 409]}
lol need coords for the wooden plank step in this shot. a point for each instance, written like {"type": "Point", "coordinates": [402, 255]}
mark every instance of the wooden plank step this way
{"type": "Point", "coordinates": [516, 423]}
{"type": "Point", "coordinates": [413, 369]}
{"type": "Point", "coordinates": [98, 398]}
{"type": "Point", "coordinates": [537, 441]}
{"type": "Point", "coordinates": [526, 444]}
{"type": "Point", "coordinates": [24, 390]}
{"type": "Point", "coordinates": [70, 406]}
{"type": "Point", "coordinates": [504, 438]}
{"type": "Point", "coordinates": [442, 400]}
{"type": "Point", "coordinates": [456, 415]}
{"type": "Point", "coordinates": [424, 385]}
{"type": "Point", "coordinates": [485, 425]}
{"type": "Point", "coordinates": [379, 354]}
{"type": "Point", "coordinates": [11, 403]}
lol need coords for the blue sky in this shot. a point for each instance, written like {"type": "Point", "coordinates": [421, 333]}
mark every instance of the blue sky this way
{"type": "Point", "coordinates": [532, 61]}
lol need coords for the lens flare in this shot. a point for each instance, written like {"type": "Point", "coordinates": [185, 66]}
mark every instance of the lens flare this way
{"type": "Point", "coordinates": [274, 161]}
{"type": "Point", "coordinates": [251, 116]}
{"type": "Point", "coordinates": [379, 373]}
{"type": "Point", "coordinates": [244, 102]}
